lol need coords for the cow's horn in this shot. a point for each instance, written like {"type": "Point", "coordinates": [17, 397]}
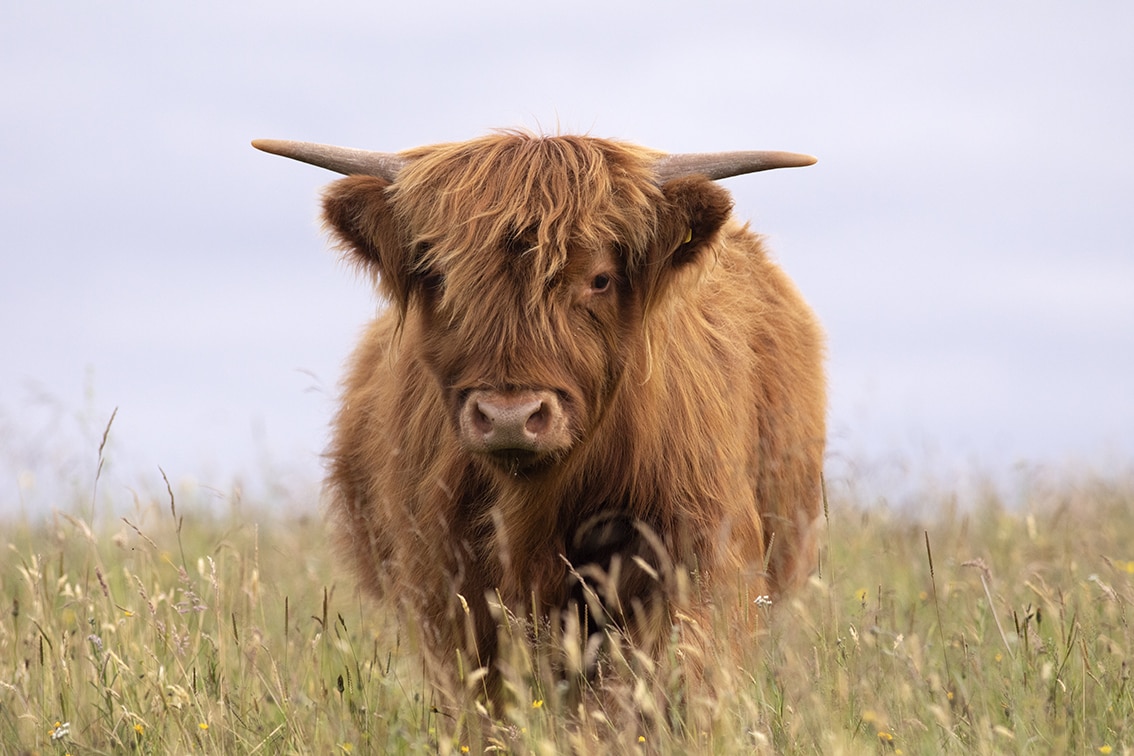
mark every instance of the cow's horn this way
{"type": "Point", "coordinates": [719, 165]}
{"type": "Point", "coordinates": [344, 160]}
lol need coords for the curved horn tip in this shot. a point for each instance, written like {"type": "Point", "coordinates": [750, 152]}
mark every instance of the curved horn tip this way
{"type": "Point", "coordinates": [793, 159]}
{"type": "Point", "coordinates": [268, 145]}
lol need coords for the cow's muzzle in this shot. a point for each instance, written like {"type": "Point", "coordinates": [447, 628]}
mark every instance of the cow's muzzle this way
{"type": "Point", "coordinates": [515, 425]}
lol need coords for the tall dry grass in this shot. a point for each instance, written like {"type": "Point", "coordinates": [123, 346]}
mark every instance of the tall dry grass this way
{"type": "Point", "coordinates": [972, 627]}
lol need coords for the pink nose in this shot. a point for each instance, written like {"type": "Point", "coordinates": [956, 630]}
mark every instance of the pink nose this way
{"type": "Point", "coordinates": [493, 421]}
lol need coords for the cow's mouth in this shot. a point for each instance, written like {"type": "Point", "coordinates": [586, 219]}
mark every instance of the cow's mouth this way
{"type": "Point", "coordinates": [520, 462]}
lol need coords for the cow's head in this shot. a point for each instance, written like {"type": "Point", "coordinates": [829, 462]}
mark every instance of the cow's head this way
{"type": "Point", "coordinates": [526, 267]}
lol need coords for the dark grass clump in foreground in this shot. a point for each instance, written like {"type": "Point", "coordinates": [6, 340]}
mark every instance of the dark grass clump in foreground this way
{"type": "Point", "coordinates": [976, 629]}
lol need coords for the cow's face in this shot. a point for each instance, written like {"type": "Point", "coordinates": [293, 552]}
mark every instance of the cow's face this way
{"type": "Point", "coordinates": [525, 278]}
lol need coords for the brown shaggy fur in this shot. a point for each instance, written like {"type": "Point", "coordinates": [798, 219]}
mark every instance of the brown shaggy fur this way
{"type": "Point", "coordinates": [688, 365]}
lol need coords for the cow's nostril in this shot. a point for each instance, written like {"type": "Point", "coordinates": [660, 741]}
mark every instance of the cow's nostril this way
{"type": "Point", "coordinates": [538, 421]}
{"type": "Point", "coordinates": [482, 421]}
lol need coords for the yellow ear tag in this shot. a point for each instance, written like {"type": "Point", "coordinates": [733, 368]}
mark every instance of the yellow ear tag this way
{"type": "Point", "coordinates": [688, 236]}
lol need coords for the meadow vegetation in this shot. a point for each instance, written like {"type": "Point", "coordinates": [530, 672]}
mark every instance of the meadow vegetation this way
{"type": "Point", "coordinates": [986, 623]}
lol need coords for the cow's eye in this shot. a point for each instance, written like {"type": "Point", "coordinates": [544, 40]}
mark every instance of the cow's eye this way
{"type": "Point", "coordinates": [600, 283]}
{"type": "Point", "coordinates": [433, 283]}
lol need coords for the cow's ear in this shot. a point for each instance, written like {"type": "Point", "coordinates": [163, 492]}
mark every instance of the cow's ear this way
{"type": "Point", "coordinates": [695, 209]}
{"type": "Point", "coordinates": [689, 217]}
{"type": "Point", "coordinates": [357, 212]}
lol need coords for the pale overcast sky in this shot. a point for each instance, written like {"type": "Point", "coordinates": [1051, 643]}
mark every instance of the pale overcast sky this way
{"type": "Point", "coordinates": [965, 236]}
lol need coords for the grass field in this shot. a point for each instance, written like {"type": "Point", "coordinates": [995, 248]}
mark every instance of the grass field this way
{"type": "Point", "coordinates": [974, 627]}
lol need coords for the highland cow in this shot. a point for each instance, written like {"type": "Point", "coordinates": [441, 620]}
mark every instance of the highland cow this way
{"type": "Point", "coordinates": [591, 385]}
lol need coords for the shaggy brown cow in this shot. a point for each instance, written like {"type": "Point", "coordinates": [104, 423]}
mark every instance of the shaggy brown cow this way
{"type": "Point", "coordinates": [590, 379]}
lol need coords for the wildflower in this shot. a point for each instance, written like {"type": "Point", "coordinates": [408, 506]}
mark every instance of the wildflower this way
{"type": "Point", "coordinates": [537, 704]}
{"type": "Point", "coordinates": [885, 737]}
{"type": "Point", "coordinates": [763, 601]}
{"type": "Point", "coordinates": [346, 747]}
{"type": "Point", "coordinates": [861, 595]}
{"type": "Point", "coordinates": [1105, 749]}
{"type": "Point", "coordinates": [138, 728]}
{"type": "Point", "coordinates": [204, 726]}
{"type": "Point", "coordinates": [641, 738]}
{"type": "Point", "coordinates": [464, 749]}
{"type": "Point", "coordinates": [60, 731]}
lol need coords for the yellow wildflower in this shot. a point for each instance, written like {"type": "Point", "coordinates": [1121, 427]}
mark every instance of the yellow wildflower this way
{"type": "Point", "coordinates": [537, 704]}
{"type": "Point", "coordinates": [1104, 749]}
{"type": "Point", "coordinates": [138, 728]}
{"type": "Point", "coordinates": [204, 726]}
